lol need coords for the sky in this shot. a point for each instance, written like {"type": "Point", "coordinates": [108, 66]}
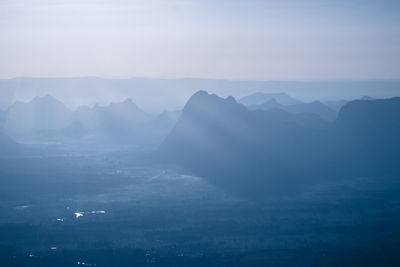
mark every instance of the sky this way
{"type": "Point", "coordinates": [239, 40]}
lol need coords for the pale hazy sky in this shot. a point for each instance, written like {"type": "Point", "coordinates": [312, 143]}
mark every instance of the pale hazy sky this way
{"type": "Point", "coordinates": [262, 40]}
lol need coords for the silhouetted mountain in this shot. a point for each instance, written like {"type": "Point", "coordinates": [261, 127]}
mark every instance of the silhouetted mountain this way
{"type": "Point", "coordinates": [45, 119]}
{"type": "Point", "coordinates": [261, 98]}
{"type": "Point", "coordinates": [173, 93]}
{"type": "Point", "coordinates": [117, 122]}
{"type": "Point", "coordinates": [127, 111]}
{"type": "Point", "coordinates": [336, 105]}
{"type": "Point", "coordinates": [120, 123]}
{"type": "Point", "coordinates": [39, 117]}
{"type": "Point", "coordinates": [368, 133]}
{"type": "Point", "coordinates": [371, 121]}
{"type": "Point", "coordinates": [223, 140]}
{"type": "Point", "coordinates": [274, 151]}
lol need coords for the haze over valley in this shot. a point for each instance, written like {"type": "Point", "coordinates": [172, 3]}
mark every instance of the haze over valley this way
{"type": "Point", "coordinates": [102, 164]}
{"type": "Point", "coordinates": [199, 133]}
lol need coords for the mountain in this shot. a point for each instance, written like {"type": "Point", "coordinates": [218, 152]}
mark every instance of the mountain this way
{"type": "Point", "coordinates": [126, 111]}
{"type": "Point", "coordinates": [246, 150]}
{"type": "Point", "coordinates": [336, 105]}
{"type": "Point", "coordinates": [261, 98]}
{"type": "Point", "coordinates": [314, 107]}
{"type": "Point", "coordinates": [367, 132]}
{"type": "Point", "coordinates": [117, 122]}
{"type": "Point", "coordinates": [373, 121]}
{"type": "Point", "coordinates": [173, 93]}
{"type": "Point", "coordinates": [272, 152]}
{"type": "Point", "coordinates": [45, 119]}
{"type": "Point", "coordinates": [121, 123]}
{"type": "Point", "coordinates": [40, 117]}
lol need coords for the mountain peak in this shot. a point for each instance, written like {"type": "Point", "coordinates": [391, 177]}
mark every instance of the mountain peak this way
{"type": "Point", "coordinates": [230, 99]}
{"type": "Point", "coordinates": [46, 100]}
{"type": "Point", "coordinates": [202, 95]}
{"type": "Point", "coordinates": [41, 114]}
{"type": "Point", "coordinates": [203, 100]}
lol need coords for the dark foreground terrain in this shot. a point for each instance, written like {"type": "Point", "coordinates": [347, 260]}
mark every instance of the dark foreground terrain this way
{"type": "Point", "coordinates": [118, 209]}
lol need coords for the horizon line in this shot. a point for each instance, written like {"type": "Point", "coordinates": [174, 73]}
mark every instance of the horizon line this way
{"type": "Point", "coordinates": [198, 78]}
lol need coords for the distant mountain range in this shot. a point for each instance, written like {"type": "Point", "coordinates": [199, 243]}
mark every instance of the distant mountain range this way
{"type": "Point", "coordinates": [45, 119]}
{"type": "Point", "coordinates": [270, 147]}
{"type": "Point", "coordinates": [41, 116]}
{"type": "Point", "coordinates": [274, 151]}
{"type": "Point", "coordinates": [153, 93]}
{"type": "Point", "coordinates": [118, 122]}
{"type": "Point", "coordinates": [327, 110]}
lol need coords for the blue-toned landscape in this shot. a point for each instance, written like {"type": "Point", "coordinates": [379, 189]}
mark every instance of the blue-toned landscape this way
{"type": "Point", "coordinates": [199, 133]}
{"type": "Point", "coordinates": [216, 183]}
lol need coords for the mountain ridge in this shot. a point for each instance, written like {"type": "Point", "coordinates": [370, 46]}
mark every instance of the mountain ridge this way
{"type": "Point", "coordinates": [274, 151]}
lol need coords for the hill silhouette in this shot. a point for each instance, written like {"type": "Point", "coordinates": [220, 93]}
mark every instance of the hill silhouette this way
{"type": "Point", "coordinates": [367, 134]}
{"type": "Point", "coordinates": [221, 139]}
{"type": "Point", "coordinates": [122, 123]}
{"type": "Point", "coordinates": [47, 120]}
{"type": "Point", "coordinates": [115, 121]}
{"type": "Point", "coordinates": [40, 117]}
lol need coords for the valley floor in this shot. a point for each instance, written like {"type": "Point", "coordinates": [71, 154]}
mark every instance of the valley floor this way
{"type": "Point", "coordinates": [119, 209]}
